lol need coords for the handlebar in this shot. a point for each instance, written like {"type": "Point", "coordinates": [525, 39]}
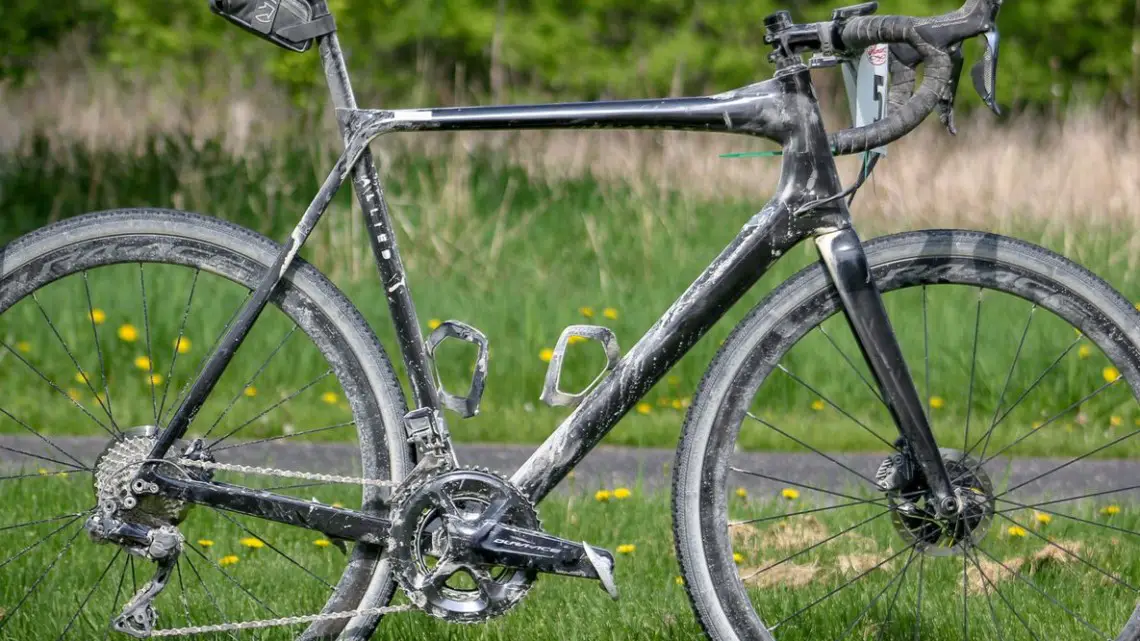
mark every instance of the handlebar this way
{"type": "Point", "coordinates": [937, 43]}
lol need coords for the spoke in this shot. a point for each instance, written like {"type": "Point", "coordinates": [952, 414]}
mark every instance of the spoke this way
{"type": "Point", "coordinates": [44, 458]}
{"type": "Point", "coordinates": [43, 438]}
{"type": "Point", "coordinates": [1001, 596]}
{"type": "Point", "coordinates": [805, 486]}
{"type": "Point", "coordinates": [271, 546]}
{"type": "Point", "coordinates": [836, 407]}
{"type": "Point", "coordinates": [898, 575]}
{"type": "Point", "coordinates": [37, 372]}
{"type": "Point", "coordinates": [926, 356]}
{"type": "Point", "coordinates": [1069, 552]}
{"type": "Point", "coordinates": [52, 519]}
{"type": "Point", "coordinates": [1043, 593]}
{"type": "Point", "coordinates": [269, 409]}
{"type": "Point", "coordinates": [973, 370]}
{"type": "Point", "coordinates": [98, 348]}
{"type": "Point", "coordinates": [241, 392]}
{"type": "Point", "coordinates": [965, 609]}
{"type": "Point", "coordinates": [209, 595]}
{"type": "Point", "coordinates": [1071, 461]}
{"type": "Point", "coordinates": [842, 587]}
{"type": "Point", "coordinates": [115, 603]}
{"type": "Point", "coordinates": [1022, 506]}
{"type": "Point", "coordinates": [803, 444]}
{"type": "Point", "coordinates": [78, 367]}
{"type": "Point", "coordinates": [182, 592]}
{"type": "Point", "coordinates": [149, 356]}
{"type": "Point", "coordinates": [178, 342]}
{"type": "Point", "coordinates": [285, 436]}
{"type": "Point", "coordinates": [983, 461]}
{"type": "Point", "coordinates": [87, 598]}
{"type": "Point", "coordinates": [851, 364]}
{"type": "Point", "coordinates": [1005, 386]}
{"type": "Point", "coordinates": [296, 486]}
{"type": "Point", "coordinates": [12, 614]}
{"type": "Point", "coordinates": [804, 551]}
{"type": "Point", "coordinates": [202, 363]}
{"type": "Point", "coordinates": [764, 519]}
{"type": "Point", "coordinates": [37, 475]}
{"type": "Point", "coordinates": [918, 601]}
{"type": "Point", "coordinates": [1087, 496]}
{"type": "Point", "coordinates": [231, 579]}
{"type": "Point", "coordinates": [38, 543]}
{"type": "Point", "coordinates": [1037, 380]}
{"type": "Point", "coordinates": [895, 598]}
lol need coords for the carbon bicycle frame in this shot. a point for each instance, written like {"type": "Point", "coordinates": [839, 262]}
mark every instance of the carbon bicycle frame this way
{"type": "Point", "coordinates": [808, 203]}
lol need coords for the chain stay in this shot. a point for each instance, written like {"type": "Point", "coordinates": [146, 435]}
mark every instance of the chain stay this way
{"type": "Point", "coordinates": [283, 621]}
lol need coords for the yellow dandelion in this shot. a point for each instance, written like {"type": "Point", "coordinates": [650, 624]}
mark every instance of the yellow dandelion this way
{"type": "Point", "coordinates": [588, 312]}
{"type": "Point", "coordinates": [673, 380]}
{"type": "Point", "coordinates": [546, 354]}
{"type": "Point", "coordinates": [156, 379]}
{"type": "Point", "coordinates": [81, 377]}
{"type": "Point", "coordinates": [43, 471]}
{"type": "Point", "coordinates": [73, 394]}
{"type": "Point", "coordinates": [250, 391]}
{"type": "Point", "coordinates": [679, 580]}
{"type": "Point", "coordinates": [1016, 530]}
{"type": "Point", "coordinates": [817, 404]}
{"type": "Point", "coordinates": [644, 408]}
{"type": "Point", "coordinates": [432, 324]}
{"type": "Point", "coordinates": [252, 543]}
{"type": "Point", "coordinates": [937, 403]}
{"type": "Point", "coordinates": [602, 495]}
{"type": "Point", "coordinates": [622, 493]}
{"type": "Point", "coordinates": [128, 333]}
{"type": "Point", "coordinates": [182, 344]}
{"type": "Point", "coordinates": [626, 548]}
{"type": "Point", "coordinates": [205, 543]}
{"type": "Point", "coordinates": [1084, 351]}
{"type": "Point", "coordinates": [228, 560]}
{"type": "Point", "coordinates": [741, 492]}
{"type": "Point", "coordinates": [61, 475]}
{"type": "Point", "coordinates": [1110, 510]}
{"type": "Point", "coordinates": [322, 543]}
{"type": "Point", "coordinates": [610, 313]}
{"type": "Point", "coordinates": [790, 494]}
{"type": "Point", "coordinates": [677, 404]}
{"type": "Point", "coordinates": [574, 340]}
{"type": "Point", "coordinates": [1043, 518]}
{"type": "Point", "coordinates": [737, 557]}
{"type": "Point", "coordinates": [24, 346]}
{"type": "Point", "coordinates": [1115, 421]}
{"type": "Point", "coordinates": [1110, 374]}
{"type": "Point", "coordinates": [1037, 424]}
{"type": "Point", "coordinates": [97, 316]}
{"type": "Point", "coordinates": [142, 362]}
{"type": "Point", "coordinates": [330, 397]}
{"type": "Point", "coordinates": [1137, 306]}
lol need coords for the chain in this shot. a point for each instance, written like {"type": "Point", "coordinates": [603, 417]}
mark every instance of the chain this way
{"type": "Point", "coordinates": [270, 623]}
{"type": "Point", "coordinates": [269, 471]}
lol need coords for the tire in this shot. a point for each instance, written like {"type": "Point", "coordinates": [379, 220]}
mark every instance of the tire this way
{"type": "Point", "coordinates": [219, 253]}
{"type": "Point", "coordinates": [1015, 274]}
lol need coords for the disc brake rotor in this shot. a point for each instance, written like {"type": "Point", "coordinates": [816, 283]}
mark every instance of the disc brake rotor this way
{"type": "Point", "coordinates": [915, 518]}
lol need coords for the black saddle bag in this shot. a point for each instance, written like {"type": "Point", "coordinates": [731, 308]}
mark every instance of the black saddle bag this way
{"type": "Point", "coordinates": [285, 23]}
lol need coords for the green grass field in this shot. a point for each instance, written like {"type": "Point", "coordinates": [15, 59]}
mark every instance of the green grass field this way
{"type": "Point", "coordinates": [653, 604]}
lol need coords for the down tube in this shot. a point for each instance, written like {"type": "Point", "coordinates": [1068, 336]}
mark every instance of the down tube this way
{"type": "Point", "coordinates": [764, 239]}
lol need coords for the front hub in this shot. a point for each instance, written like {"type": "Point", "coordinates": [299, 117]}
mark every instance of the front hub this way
{"type": "Point", "coordinates": [917, 520]}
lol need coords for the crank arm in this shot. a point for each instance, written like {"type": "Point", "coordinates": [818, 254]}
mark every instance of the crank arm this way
{"type": "Point", "coordinates": [332, 521]}
{"type": "Point", "coordinates": [534, 550]}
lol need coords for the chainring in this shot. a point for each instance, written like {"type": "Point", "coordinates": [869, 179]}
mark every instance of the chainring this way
{"type": "Point", "coordinates": [423, 549]}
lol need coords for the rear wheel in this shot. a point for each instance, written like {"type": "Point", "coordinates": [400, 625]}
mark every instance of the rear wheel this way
{"type": "Point", "coordinates": [1029, 366]}
{"type": "Point", "coordinates": [106, 319]}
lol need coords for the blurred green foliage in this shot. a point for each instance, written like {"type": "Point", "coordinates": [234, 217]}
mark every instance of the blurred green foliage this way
{"type": "Point", "coordinates": [1053, 50]}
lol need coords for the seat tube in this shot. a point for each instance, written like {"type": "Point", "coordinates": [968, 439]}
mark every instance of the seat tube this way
{"type": "Point", "coordinates": [382, 237]}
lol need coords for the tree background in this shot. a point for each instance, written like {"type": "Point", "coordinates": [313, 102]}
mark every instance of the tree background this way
{"type": "Point", "coordinates": [1053, 51]}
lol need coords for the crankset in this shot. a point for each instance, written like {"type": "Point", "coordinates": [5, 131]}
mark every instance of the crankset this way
{"type": "Point", "coordinates": [466, 545]}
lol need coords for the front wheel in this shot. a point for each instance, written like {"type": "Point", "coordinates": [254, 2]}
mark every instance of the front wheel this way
{"type": "Point", "coordinates": [1029, 367]}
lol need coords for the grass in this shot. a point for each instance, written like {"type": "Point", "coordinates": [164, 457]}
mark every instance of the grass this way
{"type": "Point", "coordinates": [653, 604]}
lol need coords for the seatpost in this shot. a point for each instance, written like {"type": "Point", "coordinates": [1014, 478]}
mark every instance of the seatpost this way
{"type": "Point", "coordinates": [381, 235]}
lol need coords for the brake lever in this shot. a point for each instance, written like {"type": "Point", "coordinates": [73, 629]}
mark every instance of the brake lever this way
{"type": "Point", "coordinates": [945, 105]}
{"type": "Point", "coordinates": [984, 71]}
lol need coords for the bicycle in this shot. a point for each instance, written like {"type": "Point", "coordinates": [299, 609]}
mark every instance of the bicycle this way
{"type": "Point", "coordinates": [464, 544]}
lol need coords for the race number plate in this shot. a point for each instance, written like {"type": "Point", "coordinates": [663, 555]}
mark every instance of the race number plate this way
{"type": "Point", "coordinates": [866, 82]}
